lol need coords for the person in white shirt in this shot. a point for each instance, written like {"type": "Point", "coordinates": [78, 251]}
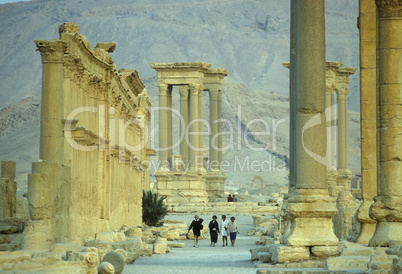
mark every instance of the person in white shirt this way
{"type": "Point", "coordinates": [224, 230]}
{"type": "Point", "coordinates": [233, 230]}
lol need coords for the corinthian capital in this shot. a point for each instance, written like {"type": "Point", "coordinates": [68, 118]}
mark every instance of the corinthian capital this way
{"type": "Point", "coordinates": [195, 88]}
{"type": "Point", "coordinates": [163, 89]}
{"type": "Point", "coordinates": [389, 8]}
{"type": "Point", "coordinates": [51, 51]}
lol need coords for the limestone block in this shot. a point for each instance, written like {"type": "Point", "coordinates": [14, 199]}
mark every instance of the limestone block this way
{"type": "Point", "coordinates": [130, 246]}
{"type": "Point", "coordinates": [131, 257]}
{"type": "Point", "coordinates": [11, 225]}
{"type": "Point", "coordinates": [46, 258]}
{"type": "Point", "coordinates": [257, 219]}
{"type": "Point", "coordinates": [62, 248]}
{"type": "Point", "coordinates": [244, 209]}
{"type": "Point", "coordinates": [134, 231]}
{"type": "Point", "coordinates": [110, 236]}
{"type": "Point", "coordinates": [145, 251]}
{"type": "Point", "coordinates": [283, 190]}
{"type": "Point", "coordinates": [356, 263]}
{"type": "Point", "coordinates": [264, 257]}
{"type": "Point", "coordinates": [266, 209]}
{"type": "Point", "coordinates": [345, 244]}
{"type": "Point", "coordinates": [176, 245]}
{"type": "Point", "coordinates": [116, 260]}
{"type": "Point", "coordinates": [4, 239]}
{"type": "Point", "coordinates": [22, 210]}
{"type": "Point", "coordinates": [324, 251]}
{"type": "Point", "coordinates": [38, 235]}
{"type": "Point", "coordinates": [160, 246]}
{"type": "Point", "coordinates": [382, 263]}
{"type": "Point", "coordinates": [15, 257]}
{"type": "Point", "coordinates": [99, 244]}
{"type": "Point", "coordinates": [170, 235]}
{"type": "Point", "coordinates": [147, 234]}
{"type": "Point", "coordinates": [283, 253]}
{"type": "Point", "coordinates": [254, 252]}
{"type": "Point", "coordinates": [105, 268]}
{"type": "Point", "coordinates": [364, 251]}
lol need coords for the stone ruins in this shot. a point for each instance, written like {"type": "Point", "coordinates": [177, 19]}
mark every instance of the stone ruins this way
{"type": "Point", "coordinates": [184, 179]}
{"type": "Point", "coordinates": [83, 210]}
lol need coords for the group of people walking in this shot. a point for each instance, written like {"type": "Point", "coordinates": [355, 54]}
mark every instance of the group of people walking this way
{"type": "Point", "coordinates": [226, 228]}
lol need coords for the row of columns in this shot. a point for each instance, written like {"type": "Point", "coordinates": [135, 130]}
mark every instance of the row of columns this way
{"type": "Point", "coordinates": [191, 112]}
{"type": "Point", "coordinates": [309, 206]}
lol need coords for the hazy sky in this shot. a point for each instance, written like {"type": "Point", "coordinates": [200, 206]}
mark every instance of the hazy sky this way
{"type": "Point", "coordinates": [11, 1]}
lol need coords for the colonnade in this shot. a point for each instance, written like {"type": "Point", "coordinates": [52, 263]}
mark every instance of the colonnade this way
{"type": "Point", "coordinates": [192, 78]}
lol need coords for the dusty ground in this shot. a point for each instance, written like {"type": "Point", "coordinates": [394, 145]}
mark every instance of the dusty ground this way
{"type": "Point", "coordinates": [204, 258]}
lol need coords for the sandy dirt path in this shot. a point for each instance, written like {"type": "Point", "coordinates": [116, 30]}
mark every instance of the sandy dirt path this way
{"type": "Point", "coordinates": [204, 258]}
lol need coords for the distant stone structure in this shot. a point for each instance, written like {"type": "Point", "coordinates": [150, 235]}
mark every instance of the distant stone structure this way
{"type": "Point", "coordinates": [94, 147]}
{"type": "Point", "coordinates": [8, 190]}
{"type": "Point", "coordinates": [189, 181]}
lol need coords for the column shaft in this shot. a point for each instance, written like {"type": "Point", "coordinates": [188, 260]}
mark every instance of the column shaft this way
{"type": "Point", "coordinates": [169, 127]}
{"type": "Point", "coordinates": [200, 126]}
{"type": "Point", "coordinates": [341, 130]}
{"type": "Point", "coordinates": [387, 207]}
{"type": "Point", "coordinates": [220, 128]}
{"type": "Point", "coordinates": [367, 27]}
{"type": "Point", "coordinates": [193, 129]}
{"type": "Point", "coordinates": [213, 140]}
{"type": "Point", "coordinates": [163, 125]}
{"type": "Point", "coordinates": [184, 150]}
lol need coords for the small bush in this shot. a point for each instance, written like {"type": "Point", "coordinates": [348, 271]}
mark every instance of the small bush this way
{"type": "Point", "coordinates": [153, 208]}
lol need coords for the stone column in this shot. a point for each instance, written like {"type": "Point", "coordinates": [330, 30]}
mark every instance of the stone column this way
{"type": "Point", "coordinates": [387, 208]}
{"type": "Point", "coordinates": [163, 126]}
{"type": "Point", "coordinates": [193, 129]}
{"type": "Point", "coordinates": [344, 175]}
{"type": "Point", "coordinates": [51, 137]}
{"type": "Point", "coordinates": [200, 129]}
{"type": "Point", "coordinates": [310, 208]}
{"type": "Point", "coordinates": [220, 127]}
{"type": "Point", "coordinates": [330, 82]}
{"type": "Point", "coordinates": [169, 124]}
{"type": "Point", "coordinates": [367, 27]}
{"type": "Point", "coordinates": [184, 91]}
{"type": "Point", "coordinates": [213, 140]}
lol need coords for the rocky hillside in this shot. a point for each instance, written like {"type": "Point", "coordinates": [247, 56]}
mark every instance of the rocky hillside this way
{"type": "Point", "coordinates": [248, 37]}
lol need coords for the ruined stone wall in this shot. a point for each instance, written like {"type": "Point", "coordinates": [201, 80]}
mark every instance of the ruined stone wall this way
{"type": "Point", "coordinates": [100, 163]}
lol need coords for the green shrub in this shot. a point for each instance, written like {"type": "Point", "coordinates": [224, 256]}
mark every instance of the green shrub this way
{"type": "Point", "coordinates": [153, 208]}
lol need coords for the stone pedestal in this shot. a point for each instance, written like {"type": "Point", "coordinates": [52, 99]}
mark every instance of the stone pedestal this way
{"type": "Point", "coordinates": [215, 185]}
{"type": "Point", "coordinates": [8, 189]}
{"type": "Point", "coordinates": [311, 212]}
{"type": "Point", "coordinates": [181, 187]}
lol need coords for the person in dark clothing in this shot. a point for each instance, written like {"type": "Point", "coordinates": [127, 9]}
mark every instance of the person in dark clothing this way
{"type": "Point", "coordinates": [214, 230]}
{"type": "Point", "coordinates": [230, 198]}
{"type": "Point", "coordinates": [196, 225]}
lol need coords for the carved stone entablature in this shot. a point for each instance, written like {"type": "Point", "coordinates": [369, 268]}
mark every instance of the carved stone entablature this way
{"type": "Point", "coordinates": [342, 79]}
{"type": "Point", "coordinates": [51, 51]}
{"type": "Point", "coordinates": [108, 47]}
{"type": "Point", "coordinates": [133, 80]}
{"type": "Point", "coordinates": [71, 28]}
{"type": "Point", "coordinates": [389, 8]}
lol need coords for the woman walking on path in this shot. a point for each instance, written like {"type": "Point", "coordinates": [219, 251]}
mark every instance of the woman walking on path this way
{"type": "Point", "coordinates": [213, 230]}
{"type": "Point", "coordinates": [196, 225]}
{"type": "Point", "coordinates": [224, 230]}
{"type": "Point", "coordinates": [233, 230]}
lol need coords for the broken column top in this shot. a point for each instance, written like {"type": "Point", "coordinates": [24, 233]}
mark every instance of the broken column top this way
{"type": "Point", "coordinates": [69, 28]}
{"type": "Point", "coordinates": [181, 65]}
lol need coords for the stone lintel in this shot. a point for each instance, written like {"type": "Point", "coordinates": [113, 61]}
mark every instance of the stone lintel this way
{"type": "Point", "coordinates": [180, 73]}
{"type": "Point", "coordinates": [214, 77]}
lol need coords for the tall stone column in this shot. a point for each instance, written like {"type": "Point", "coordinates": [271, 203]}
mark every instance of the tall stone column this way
{"type": "Point", "coordinates": [330, 82]}
{"type": "Point", "coordinates": [344, 175]}
{"type": "Point", "coordinates": [387, 207]}
{"type": "Point", "coordinates": [163, 126]}
{"type": "Point", "coordinates": [193, 129]}
{"type": "Point", "coordinates": [367, 27]}
{"type": "Point", "coordinates": [51, 137]}
{"type": "Point", "coordinates": [169, 124]}
{"type": "Point", "coordinates": [310, 208]}
{"type": "Point", "coordinates": [200, 128]}
{"type": "Point", "coordinates": [213, 121]}
{"type": "Point", "coordinates": [220, 128]}
{"type": "Point", "coordinates": [184, 92]}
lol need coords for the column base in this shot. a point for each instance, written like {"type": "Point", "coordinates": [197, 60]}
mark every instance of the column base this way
{"type": "Point", "coordinates": [179, 187]}
{"type": "Point", "coordinates": [367, 225]}
{"type": "Point", "coordinates": [332, 176]}
{"type": "Point", "coordinates": [311, 212]}
{"type": "Point", "coordinates": [385, 232]}
{"type": "Point", "coordinates": [215, 186]}
{"type": "Point", "coordinates": [344, 179]}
